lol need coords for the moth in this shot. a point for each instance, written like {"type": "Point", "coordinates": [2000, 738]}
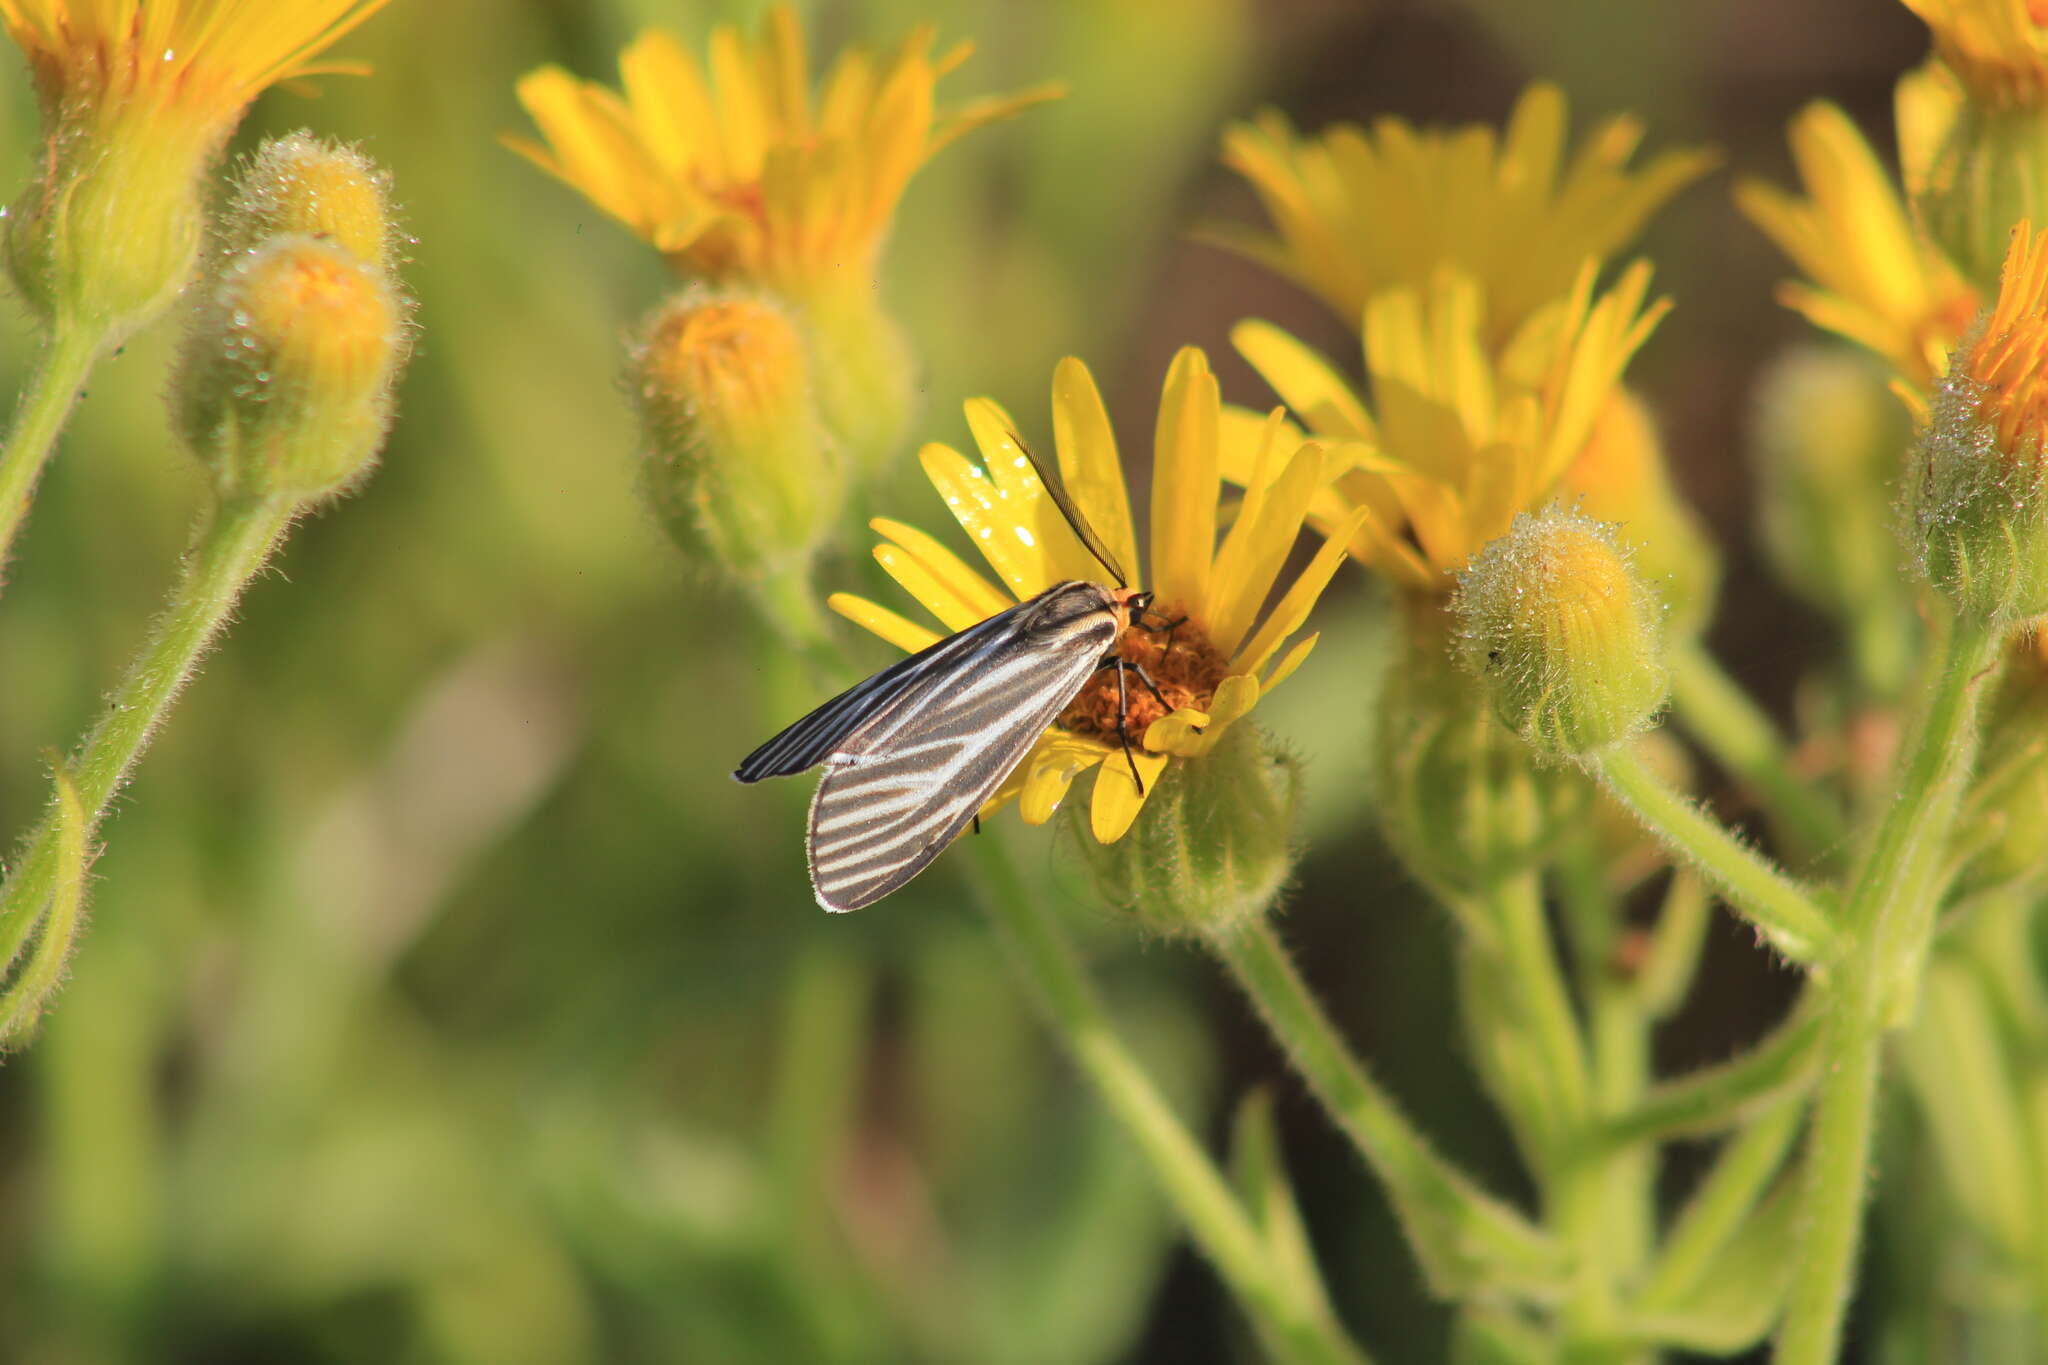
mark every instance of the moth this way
{"type": "Point", "coordinates": [912, 754]}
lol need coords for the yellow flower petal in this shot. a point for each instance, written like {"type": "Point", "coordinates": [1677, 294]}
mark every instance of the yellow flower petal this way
{"type": "Point", "coordinates": [1089, 462]}
{"type": "Point", "coordinates": [1293, 608]}
{"type": "Point", "coordinates": [1034, 516]}
{"type": "Point", "coordinates": [1289, 661]}
{"type": "Point", "coordinates": [977, 595]}
{"type": "Point", "coordinates": [907, 636]}
{"type": "Point", "coordinates": [1184, 474]}
{"type": "Point", "coordinates": [1258, 545]}
{"type": "Point", "coordinates": [992, 521]}
{"type": "Point", "coordinates": [1177, 733]}
{"type": "Point", "coordinates": [932, 591]}
{"type": "Point", "coordinates": [1305, 381]}
{"type": "Point", "coordinates": [1050, 770]}
{"type": "Point", "coordinates": [1117, 799]}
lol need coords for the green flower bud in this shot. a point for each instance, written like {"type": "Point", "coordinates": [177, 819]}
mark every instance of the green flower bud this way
{"type": "Point", "coordinates": [866, 373]}
{"type": "Point", "coordinates": [1214, 845]}
{"type": "Point", "coordinates": [1976, 498]}
{"type": "Point", "coordinates": [108, 232]}
{"type": "Point", "coordinates": [284, 384]}
{"type": "Point", "coordinates": [1987, 171]}
{"type": "Point", "coordinates": [1620, 476]}
{"type": "Point", "coordinates": [1829, 440]}
{"type": "Point", "coordinates": [1555, 621]}
{"type": "Point", "coordinates": [1463, 802]}
{"type": "Point", "coordinates": [738, 467]}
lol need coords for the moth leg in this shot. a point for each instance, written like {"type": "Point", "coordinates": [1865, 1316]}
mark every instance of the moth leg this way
{"type": "Point", "coordinates": [977, 822]}
{"type": "Point", "coordinates": [1150, 686]}
{"type": "Point", "coordinates": [1123, 733]}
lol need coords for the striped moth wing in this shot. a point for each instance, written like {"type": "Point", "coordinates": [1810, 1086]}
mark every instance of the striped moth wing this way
{"type": "Point", "coordinates": [913, 754]}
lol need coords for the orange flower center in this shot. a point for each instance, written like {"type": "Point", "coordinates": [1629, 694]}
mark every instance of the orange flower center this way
{"type": "Point", "coordinates": [1182, 663]}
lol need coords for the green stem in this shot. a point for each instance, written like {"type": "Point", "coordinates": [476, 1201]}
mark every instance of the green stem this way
{"type": "Point", "coordinates": [1890, 915]}
{"type": "Point", "coordinates": [1295, 1324]}
{"type": "Point", "coordinates": [1740, 1175]}
{"type": "Point", "coordinates": [787, 602]}
{"type": "Point", "coordinates": [1721, 1096]}
{"type": "Point", "coordinates": [1464, 1238]}
{"type": "Point", "coordinates": [1754, 887]}
{"type": "Point", "coordinates": [38, 418]}
{"type": "Point", "coordinates": [1546, 1003]}
{"type": "Point", "coordinates": [230, 548]}
{"type": "Point", "coordinates": [1744, 740]}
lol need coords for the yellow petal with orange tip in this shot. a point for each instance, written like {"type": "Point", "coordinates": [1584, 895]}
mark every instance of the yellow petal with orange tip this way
{"type": "Point", "coordinates": [1118, 798]}
{"type": "Point", "coordinates": [1089, 461]}
{"type": "Point", "coordinates": [1184, 481]}
{"type": "Point", "coordinates": [988, 518]}
{"type": "Point", "coordinates": [906, 635]}
{"type": "Point", "coordinates": [984, 598]}
{"type": "Point", "coordinates": [1035, 518]}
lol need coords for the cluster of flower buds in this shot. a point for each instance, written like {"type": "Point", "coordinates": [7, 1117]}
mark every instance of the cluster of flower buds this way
{"type": "Point", "coordinates": [285, 379]}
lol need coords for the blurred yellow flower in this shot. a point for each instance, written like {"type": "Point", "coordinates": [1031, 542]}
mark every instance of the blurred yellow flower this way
{"type": "Point", "coordinates": [1457, 441]}
{"type": "Point", "coordinates": [1871, 277]}
{"type": "Point", "coordinates": [201, 58]}
{"type": "Point", "coordinates": [1216, 664]}
{"type": "Point", "coordinates": [1998, 47]}
{"type": "Point", "coordinates": [744, 175]}
{"type": "Point", "coordinates": [1360, 210]}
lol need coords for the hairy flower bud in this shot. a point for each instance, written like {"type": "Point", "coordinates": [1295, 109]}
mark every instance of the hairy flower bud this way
{"type": "Point", "coordinates": [1215, 843]}
{"type": "Point", "coordinates": [1620, 476]}
{"type": "Point", "coordinates": [108, 232]}
{"type": "Point", "coordinates": [1989, 172]}
{"type": "Point", "coordinates": [284, 384]}
{"type": "Point", "coordinates": [302, 183]}
{"type": "Point", "coordinates": [738, 466]}
{"type": "Point", "coordinates": [1976, 499]}
{"type": "Point", "coordinates": [1563, 632]}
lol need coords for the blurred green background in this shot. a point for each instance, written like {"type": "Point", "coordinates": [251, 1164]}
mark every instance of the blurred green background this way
{"type": "Point", "coordinates": [444, 1000]}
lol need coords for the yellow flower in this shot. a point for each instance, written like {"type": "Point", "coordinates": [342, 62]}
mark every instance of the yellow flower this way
{"type": "Point", "coordinates": [138, 99]}
{"type": "Point", "coordinates": [1358, 211]}
{"type": "Point", "coordinates": [1216, 664]}
{"type": "Point", "coordinates": [1457, 441]}
{"type": "Point", "coordinates": [2006, 362]}
{"type": "Point", "coordinates": [1977, 498]}
{"type": "Point", "coordinates": [1998, 47]}
{"type": "Point", "coordinates": [1871, 277]}
{"type": "Point", "coordinates": [745, 175]}
{"type": "Point", "coordinates": [200, 58]}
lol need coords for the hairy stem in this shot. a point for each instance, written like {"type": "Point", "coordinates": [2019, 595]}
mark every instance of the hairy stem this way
{"type": "Point", "coordinates": [1754, 887]}
{"type": "Point", "coordinates": [1462, 1236]}
{"type": "Point", "coordinates": [1743, 740]}
{"type": "Point", "coordinates": [39, 416]}
{"type": "Point", "coordinates": [1889, 916]}
{"type": "Point", "coordinates": [1295, 1324]}
{"type": "Point", "coordinates": [228, 551]}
